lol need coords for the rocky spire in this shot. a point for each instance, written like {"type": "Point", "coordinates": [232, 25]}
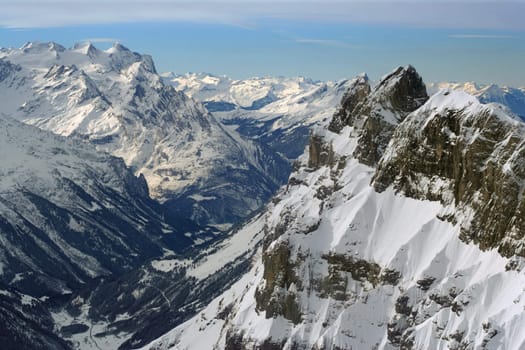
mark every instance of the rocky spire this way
{"type": "Point", "coordinates": [352, 101]}
{"type": "Point", "coordinates": [375, 113]}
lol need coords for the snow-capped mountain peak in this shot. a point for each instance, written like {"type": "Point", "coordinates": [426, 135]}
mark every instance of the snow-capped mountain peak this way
{"type": "Point", "coordinates": [116, 100]}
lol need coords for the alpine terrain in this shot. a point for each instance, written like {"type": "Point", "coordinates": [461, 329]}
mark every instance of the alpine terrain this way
{"type": "Point", "coordinates": [514, 98]}
{"type": "Point", "coordinates": [133, 216]}
{"type": "Point", "coordinates": [192, 163]}
{"type": "Point", "coordinates": [69, 215]}
{"type": "Point", "coordinates": [88, 260]}
{"type": "Point", "coordinates": [275, 111]}
{"type": "Point", "coordinates": [401, 228]}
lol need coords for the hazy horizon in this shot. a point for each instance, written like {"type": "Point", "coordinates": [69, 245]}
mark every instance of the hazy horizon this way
{"type": "Point", "coordinates": [482, 42]}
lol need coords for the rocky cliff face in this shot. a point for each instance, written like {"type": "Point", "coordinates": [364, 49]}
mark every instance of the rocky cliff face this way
{"type": "Point", "coordinates": [375, 113]}
{"type": "Point", "coordinates": [372, 249]}
{"type": "Point", "coordinates": [468, 156]}
{"type": "Point", "coordinates": [351, 104]}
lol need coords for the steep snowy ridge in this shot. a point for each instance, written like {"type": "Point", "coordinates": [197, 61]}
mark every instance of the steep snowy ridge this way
{"type": "Point", "coordinates": [116, 100]}
{"type": "Point", "coordinates": [276, 111]}
{"type": "Point", "coordinates": [513, 98]}
{"type": "Point", "coordinates": [350, 261]}
{"type": "Point", "coordinates": [70, 213]}
{"type": "Point", "coordinates": [70, 216]}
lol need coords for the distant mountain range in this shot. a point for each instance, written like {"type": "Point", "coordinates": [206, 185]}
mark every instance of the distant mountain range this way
{"type": "Point", "coordinates": [199, 168]}
{"type": "Point", "coordinates": [277, 111]}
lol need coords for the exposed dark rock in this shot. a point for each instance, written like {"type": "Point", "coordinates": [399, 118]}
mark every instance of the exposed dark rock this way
{"type": "Point", "coordinates": [425, 283]}
{"type": "Point", "coordinates": [360, 270]}
{"type": "Point", "coordinates": [404, 90]}
{"type": "Point", "coordinates": [402, 307]}
{"type": "Point", "coordinates": [320, 152]}
{"type": "Point", "coordinates": [339, 266]}
{"type": "Point", "coordinates": [225, 312]}
{"type": "Point", "coordinates": [399, 329]}
{"type": "Point", "coordinates": [279, 275]}
{"type": "Point", "coordinates": [396, 95]}
{"type": "Point", "coordinates": [472, 159]}
{"type": "Point", "coordinates": [375, 113]}
{"type": "Point", "coordinates": [350, 104]}
{"type": "Point", "coordinates": [237, 341]}
{"type": "Point", "coordinates": [234, 341]}
{"type": "Point", "coordinates": [390, 276]}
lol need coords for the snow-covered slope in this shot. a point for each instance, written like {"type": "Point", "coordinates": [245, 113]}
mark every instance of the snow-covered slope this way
{"type": "Point", "coordinates": [142, 305]}
{"type": "Point", "coordinates": [386, 249]}
{"type": "Point", "coordinates": [514, 98]}
{"type": "Point", "coordinates": [69, 215]}
{"type": "Point", "coordinates": [87, 257]}
{"type": "Point", "coordinates": [277, 111]}
{"type": "Point", "coordinates": [26, 323]}
{"type": "Point", "coordinates": [116, 100]}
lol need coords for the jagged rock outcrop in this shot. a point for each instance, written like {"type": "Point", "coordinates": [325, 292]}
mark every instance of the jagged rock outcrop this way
{"type": "Point", "coordinates": [368, 250]}
{"type": "Point", "coordinates": [467, 155]}
{"type": "Point", "coordinates": [320, 153]}
{"type": "Point", "coordinates": [351, 104]}
{"type": "Point", "coordinates": [376, 112]}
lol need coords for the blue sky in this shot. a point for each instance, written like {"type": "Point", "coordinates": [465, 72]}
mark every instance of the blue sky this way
{"type": "Point", "coordinates": [445, 40]}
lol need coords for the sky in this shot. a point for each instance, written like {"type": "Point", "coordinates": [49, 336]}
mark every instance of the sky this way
{"type": "Point", "coordinates": [470, 40]}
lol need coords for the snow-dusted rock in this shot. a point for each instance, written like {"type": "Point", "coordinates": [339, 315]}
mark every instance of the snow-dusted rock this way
{"type": "Point", "coordinates": [513, 98]}
{"type": "Point", "coordinates": [345, 266]}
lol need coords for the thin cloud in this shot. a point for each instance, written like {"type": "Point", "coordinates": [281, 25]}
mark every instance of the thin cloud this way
{"type": "Point", "coordinates": [480, 36]}
{"type": "Point", "coordinates": [101, 40]}
{"type": "Point", "coordinates": [324, 42]}
{"type": "Point", "coordinates": [470, 14]}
